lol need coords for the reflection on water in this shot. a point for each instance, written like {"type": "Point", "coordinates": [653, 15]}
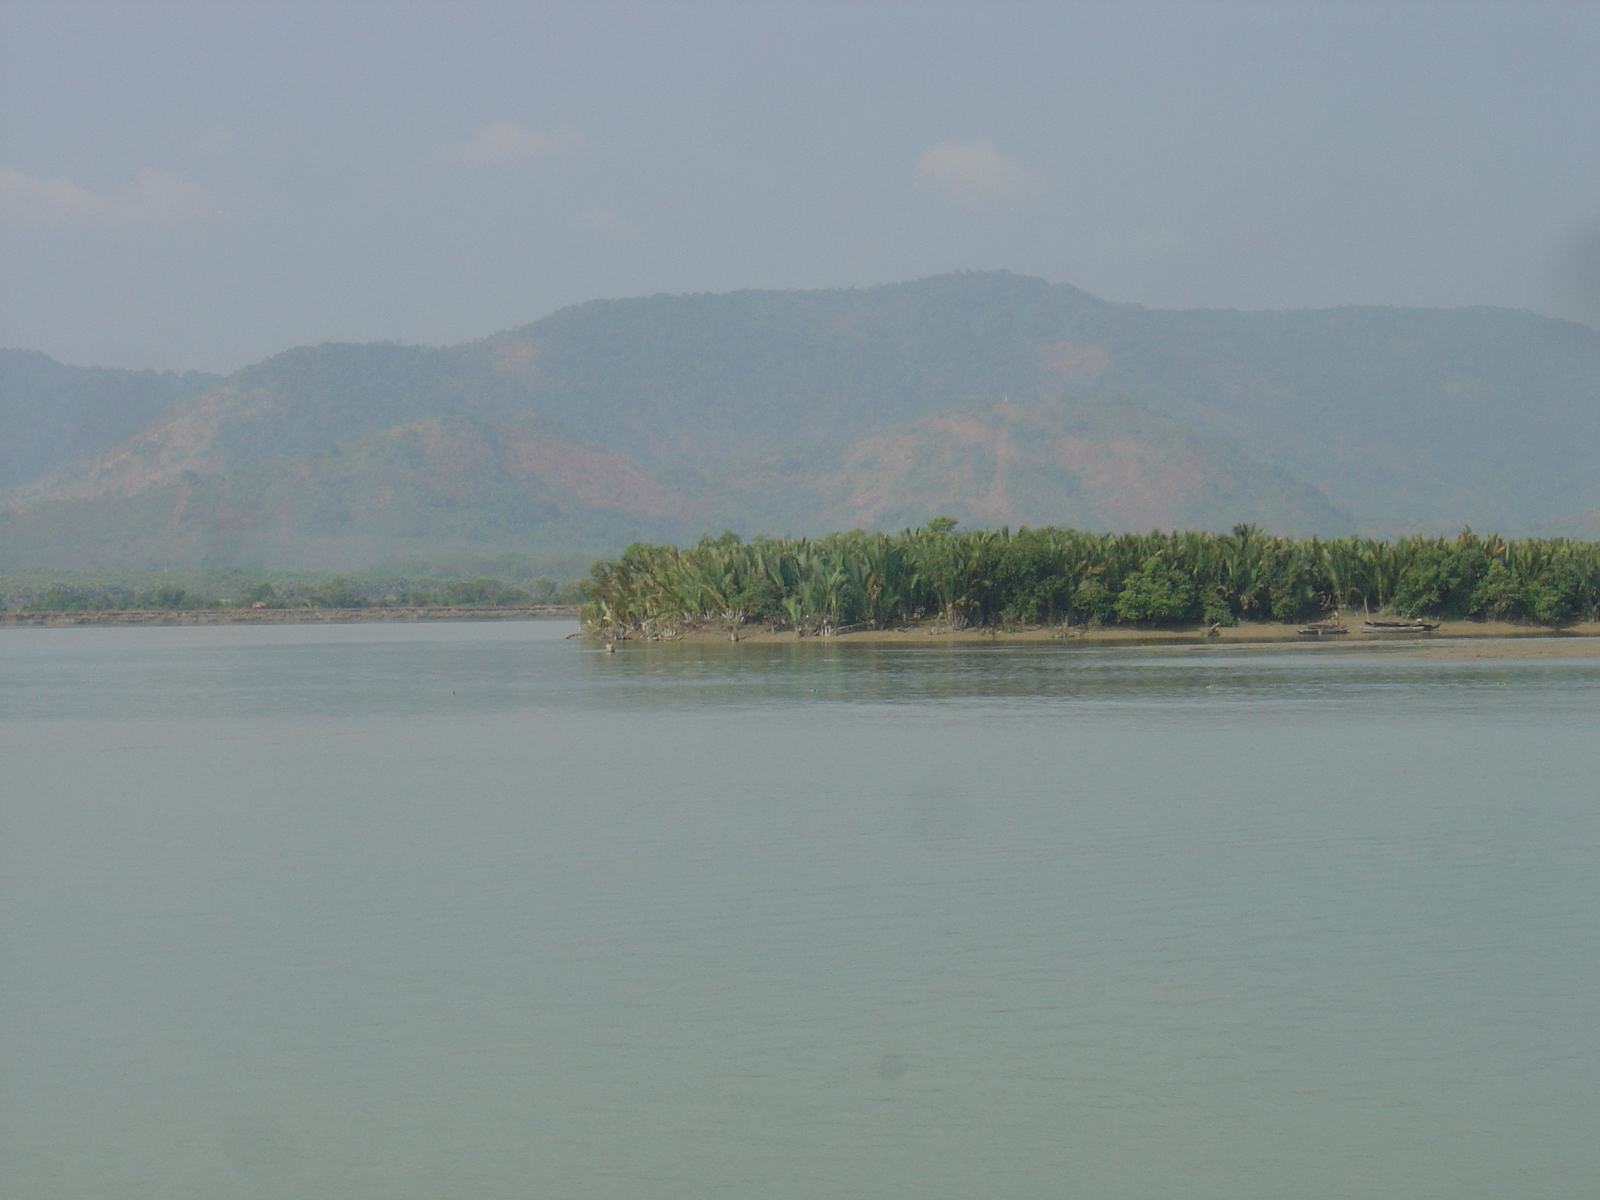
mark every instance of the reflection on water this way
{"type": "Point", "coordinates": [476, 910]}
{"type": "Point", "coordinates": [407, 669]}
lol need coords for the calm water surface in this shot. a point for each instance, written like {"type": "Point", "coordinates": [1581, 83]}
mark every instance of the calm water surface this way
{"type": "Point", "coordinates": [474, 911]}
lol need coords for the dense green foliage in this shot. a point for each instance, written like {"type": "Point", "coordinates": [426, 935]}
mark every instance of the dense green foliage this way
{"type": "Point", "coordinates": [306, 591]}
{"type": "Point", "coordinates": [986, 577]}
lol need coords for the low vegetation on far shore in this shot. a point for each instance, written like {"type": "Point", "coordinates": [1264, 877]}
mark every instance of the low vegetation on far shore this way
{"type": "Point", "coordinates": [987, 578]}
{"type": "Point", "coordinates": [91, 594]}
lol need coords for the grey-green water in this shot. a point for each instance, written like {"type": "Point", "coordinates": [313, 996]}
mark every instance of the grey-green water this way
{"type": "Point", "coordinates": [472, 911]}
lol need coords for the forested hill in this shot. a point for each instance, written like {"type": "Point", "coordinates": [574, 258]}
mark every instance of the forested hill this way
{"type": "Point", "coordinates": [703, 378]}
{"type": "Point", "coordinates": [998, 395]}
{"type": "Point", "coordinates": [52, 414]}
{"type": "Point", "coordinates": [1410, 418]}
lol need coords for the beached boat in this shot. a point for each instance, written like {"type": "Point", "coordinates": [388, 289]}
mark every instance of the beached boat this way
{"type": "Point", "coordinates": [1397, 625]}
{"type": "Point", "coordinates": [1332, 626]}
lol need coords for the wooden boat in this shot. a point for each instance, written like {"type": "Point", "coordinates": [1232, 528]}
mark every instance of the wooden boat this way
{"type": "Point", "coordinates": [1397, 625]}
{"type": "Point", "coordinates": [1332, 626]}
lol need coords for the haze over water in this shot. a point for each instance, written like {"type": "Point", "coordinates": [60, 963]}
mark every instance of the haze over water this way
{"type": "Point", "coordinates": [411, 911]}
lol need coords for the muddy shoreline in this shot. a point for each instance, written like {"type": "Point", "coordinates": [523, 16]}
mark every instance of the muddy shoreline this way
{"type": "Point", "coordinates": [1452, 639]}
{"type": "Point", "coordinates": [284, 616]}
{"type": "Point", "coordinates": [1476, 639]}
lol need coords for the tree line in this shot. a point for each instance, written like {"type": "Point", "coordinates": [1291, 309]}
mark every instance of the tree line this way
{"type": "Point", "coordinates": [1046, 576]}
{"type": "Point", "coordinates": [337, 591]}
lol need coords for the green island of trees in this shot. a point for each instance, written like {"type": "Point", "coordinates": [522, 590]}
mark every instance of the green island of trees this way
{"type": "Point", "coordinates": [980, 578]}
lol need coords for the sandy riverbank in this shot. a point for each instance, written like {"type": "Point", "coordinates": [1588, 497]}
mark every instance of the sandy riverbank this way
{"type": "Point", "coordinates": [1453, 639]}
{"type": "Point", "coordinates": [1456, 639]}
{"type": "Point", "coordinates": [285, 616]}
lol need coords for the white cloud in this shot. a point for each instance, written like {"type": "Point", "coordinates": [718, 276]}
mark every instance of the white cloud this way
{"type": "Point", "coordinates": [152, 197]}
{"type": "Point", "coordinates": [505, 143]}
{"type": "Point", "coordinates": [974, 172]}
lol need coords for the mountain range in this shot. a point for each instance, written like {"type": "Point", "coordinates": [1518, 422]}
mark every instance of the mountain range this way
{"type": "Point", "coordinates": [987, 396]}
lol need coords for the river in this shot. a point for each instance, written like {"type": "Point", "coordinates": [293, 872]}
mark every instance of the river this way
{"type": "Point", "coordinates": [477, 911]}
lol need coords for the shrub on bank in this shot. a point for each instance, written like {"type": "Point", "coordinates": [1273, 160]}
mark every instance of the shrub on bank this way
{"type": "Point", "coordinates": [338, 592]}
{"type": "Point", "coordinates": [62, 598]}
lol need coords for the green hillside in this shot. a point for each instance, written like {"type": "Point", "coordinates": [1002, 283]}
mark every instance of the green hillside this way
{"type": "Point", "coordinates": [1412, 419]}
{"type": "Point", "coordinates": [438, 489]}
{"type": "Point", "coordinates": [1112, 464]}
{"type": "Point", "coordinates": [1416, 419]}
{"type": "Point", "coordinates": [52, 414]}
{"type": "Point", "coordinates": [702, 379]}
{"type": "Point", "coordinates": [995, 397]}
{"type": "Point", "coordinates": [448, 487]}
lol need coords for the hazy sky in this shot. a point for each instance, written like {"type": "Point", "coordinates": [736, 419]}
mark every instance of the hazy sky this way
{"type": "Point", "coordinates": [200, 185]}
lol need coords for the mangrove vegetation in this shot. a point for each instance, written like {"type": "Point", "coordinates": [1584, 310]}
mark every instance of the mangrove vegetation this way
{"type": "Point", "coordinates": [978, 577]}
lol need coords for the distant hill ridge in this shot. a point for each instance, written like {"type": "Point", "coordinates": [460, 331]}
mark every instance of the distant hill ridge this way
{"type": "Point", "coordinates": [995, 397]}
{"type": "Point", "coordinates": [52, 414]}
